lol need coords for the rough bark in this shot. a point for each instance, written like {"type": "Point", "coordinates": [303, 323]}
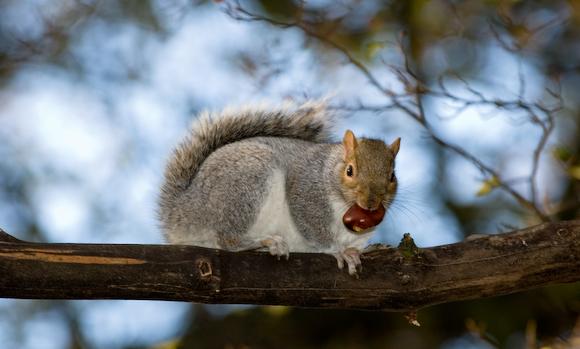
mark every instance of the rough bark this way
{"type": "Point", "coordinates": [393, 279]}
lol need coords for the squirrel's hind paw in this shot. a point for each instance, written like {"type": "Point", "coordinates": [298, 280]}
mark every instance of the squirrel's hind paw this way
{"type": "Point", "coordinates": [352, 258]}
{"type": "Point", "coordinates": [277, 246]}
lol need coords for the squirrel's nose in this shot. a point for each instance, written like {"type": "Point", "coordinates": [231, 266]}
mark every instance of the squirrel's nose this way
{"type": "Point", "coordinates": [371, 203]}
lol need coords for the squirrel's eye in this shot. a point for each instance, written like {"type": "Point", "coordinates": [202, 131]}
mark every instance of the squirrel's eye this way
{"type": "Point", "coordinates": [393, 177]}
{"type": "Point", "coordinates": [349, 170]}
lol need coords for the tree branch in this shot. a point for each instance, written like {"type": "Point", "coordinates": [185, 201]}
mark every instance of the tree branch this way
{"type": "Point", "coordinates": [392, 279]}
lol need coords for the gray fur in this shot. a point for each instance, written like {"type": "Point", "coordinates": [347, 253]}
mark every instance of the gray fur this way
{"type": "Point", "coordinates": [220, 177]}
{"type": "Point", "coordinates": [309, 169]}
{"type": "Point", "coordinates": [215, 180]}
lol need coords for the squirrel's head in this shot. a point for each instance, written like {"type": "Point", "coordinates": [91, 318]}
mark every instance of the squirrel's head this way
{"type": "Point", "coordinates": [368, 171]}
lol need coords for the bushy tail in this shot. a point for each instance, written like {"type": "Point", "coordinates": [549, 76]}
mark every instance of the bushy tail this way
{"type": "Point", "coordinates": [309, 122]}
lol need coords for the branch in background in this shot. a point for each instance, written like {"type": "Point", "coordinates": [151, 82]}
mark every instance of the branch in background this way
{"type": "Point", "coordinates": [410, 103]}
{"type": "Point", "coordinates": [403, 279]}
{"type": "Point", "coordinates": [55, 35]}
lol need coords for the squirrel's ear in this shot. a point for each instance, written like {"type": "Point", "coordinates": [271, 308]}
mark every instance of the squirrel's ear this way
{"type": "Point", "coordinates": [349, 142]}
{"type": "Point", "coordinates": [395, 146]}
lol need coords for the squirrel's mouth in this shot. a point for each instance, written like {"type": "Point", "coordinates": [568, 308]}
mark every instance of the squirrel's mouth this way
{"type": "Point", "coordinates": [371, 208]}
{"type": "Point", "coordinates": [359, 220]}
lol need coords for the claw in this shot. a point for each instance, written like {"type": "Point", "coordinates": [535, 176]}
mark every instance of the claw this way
{"type": "Point", "coordinates": [352, 258]}
{"type": "Point", "coordinates": [277, 247]}
{"type": "Point", "coordinates": [339, 260]}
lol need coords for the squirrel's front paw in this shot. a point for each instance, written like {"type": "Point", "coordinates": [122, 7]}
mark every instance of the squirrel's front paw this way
{"type": "Point", "coordinates": [352, 258]}
{"type": "Point", "coordinates": [277, 246]}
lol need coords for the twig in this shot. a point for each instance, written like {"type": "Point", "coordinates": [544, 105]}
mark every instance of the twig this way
{"type": "Point", "coordinates": [416, 89]}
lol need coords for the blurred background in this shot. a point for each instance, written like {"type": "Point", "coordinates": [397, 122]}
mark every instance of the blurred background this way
{"type": "Point", "coordinates": [484, 94]}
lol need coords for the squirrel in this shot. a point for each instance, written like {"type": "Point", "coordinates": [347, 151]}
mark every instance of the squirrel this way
{"type": "Point", "coordinates": [273, 179]}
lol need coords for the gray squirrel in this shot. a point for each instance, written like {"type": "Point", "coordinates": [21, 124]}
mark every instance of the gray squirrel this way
{"type": "Point", "coordinates": [272, 178]}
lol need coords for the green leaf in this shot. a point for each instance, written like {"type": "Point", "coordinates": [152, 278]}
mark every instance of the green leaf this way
{"type": "Point", "coordinates": [373, 48]}
{"type": "Point", "coordinates": [562, 153]}
{"type": "Point", "coordinates": [574, 172]}
{"type": "Point", "coordinates": [487, 186]}
{"type": "Point", "coordinates": [276, 310]}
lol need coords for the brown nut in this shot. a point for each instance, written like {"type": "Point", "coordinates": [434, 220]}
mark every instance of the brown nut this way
{"type": "Point", "coordinates": [358, 220]}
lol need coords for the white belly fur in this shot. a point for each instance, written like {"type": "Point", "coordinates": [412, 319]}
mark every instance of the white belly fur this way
{"type": "Point", "coordinates": [274, 217]}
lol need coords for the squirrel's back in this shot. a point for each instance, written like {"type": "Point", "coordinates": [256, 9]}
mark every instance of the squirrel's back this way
{"type": "Point", "coordinates": [309, 122]}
